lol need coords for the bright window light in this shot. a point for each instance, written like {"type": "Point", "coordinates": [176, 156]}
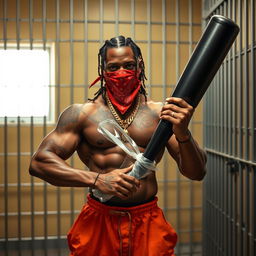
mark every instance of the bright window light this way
{"type": "Point", "coordinates": [25, 83]}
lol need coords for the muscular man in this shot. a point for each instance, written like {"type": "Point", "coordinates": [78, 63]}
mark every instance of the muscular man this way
{"type": "Point", "coordinates": [130, 223]}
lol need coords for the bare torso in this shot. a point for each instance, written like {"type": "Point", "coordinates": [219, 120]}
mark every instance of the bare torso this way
{"type": "Point", "coordinates": [76, 130]}
{"type": "Point", "coordinates": [102, 156]}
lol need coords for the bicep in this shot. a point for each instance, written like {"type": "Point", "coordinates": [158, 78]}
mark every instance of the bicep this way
{"type": "Point", "coordinates": [63, 140]}
{"type": "Point", "coordinates": [61, 144]}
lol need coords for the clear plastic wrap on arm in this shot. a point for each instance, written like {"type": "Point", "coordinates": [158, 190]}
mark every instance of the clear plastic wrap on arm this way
{"type": "Point", "coordinates": [114, 133]}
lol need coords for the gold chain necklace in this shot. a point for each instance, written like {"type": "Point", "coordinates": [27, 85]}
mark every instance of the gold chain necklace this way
{"type": "Point", "coordinates": [124, 123]}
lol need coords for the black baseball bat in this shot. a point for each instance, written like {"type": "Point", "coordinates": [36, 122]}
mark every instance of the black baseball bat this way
{"type": "Point", "coordinates": [204, 63]}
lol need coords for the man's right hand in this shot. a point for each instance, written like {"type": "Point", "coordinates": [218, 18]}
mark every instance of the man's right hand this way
{"type": "Point", "coordinates": [118, 183]}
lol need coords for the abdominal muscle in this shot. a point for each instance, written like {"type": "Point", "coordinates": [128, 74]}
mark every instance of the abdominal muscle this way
{"type": "Point", "coordinates": [108, 160]}
{"type": "Point", "coordinates": [146, 191]}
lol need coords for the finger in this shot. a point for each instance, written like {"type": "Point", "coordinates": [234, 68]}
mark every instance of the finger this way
{"type": "Point", "coordinates": [176, 115]}
{"type": "Point", "coordinates": [132, 187]}
{"type": "Point", "coordinates": [170, 113]}
{"type": "Point", "coordinates": [123, 191]}
{"type": "Point", "coordinates": [179, 105]}
{"type": "Point", "coordinates": [131, 180]}
{"type": "Point", "coordinates": [170, 119]}
{"type": "Point", "coordinates": [127, 169]}
{"type": "Point", "coordinates": [178, 101]}
{"type": "Point", "coordinates": [178, 109]}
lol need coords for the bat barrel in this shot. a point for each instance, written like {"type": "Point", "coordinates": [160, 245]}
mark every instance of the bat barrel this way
{"type": "Point", "coordinates": [204, 63]}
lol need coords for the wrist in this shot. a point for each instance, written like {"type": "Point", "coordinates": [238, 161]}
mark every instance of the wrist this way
{"type": "Point", "coordinates": [95, 180]}
{"type": "Point", "coordinates": [184, 139]}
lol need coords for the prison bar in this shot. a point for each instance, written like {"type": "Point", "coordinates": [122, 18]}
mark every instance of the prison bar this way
{"type": "Point", "coordinates": [233, 203]}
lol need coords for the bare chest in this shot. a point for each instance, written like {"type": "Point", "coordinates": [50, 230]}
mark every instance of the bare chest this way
{"type": "Point", "coordinates": [140, 130]}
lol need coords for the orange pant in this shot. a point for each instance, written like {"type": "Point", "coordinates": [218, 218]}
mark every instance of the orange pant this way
{"type": "Point", "coordinates": [102, 230]}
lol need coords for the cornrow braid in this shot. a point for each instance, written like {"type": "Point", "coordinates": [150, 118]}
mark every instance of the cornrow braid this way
{"type": "Point", "coordinates": [116, 42]}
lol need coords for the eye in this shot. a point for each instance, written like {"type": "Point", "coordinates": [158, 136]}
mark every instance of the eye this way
{"type": "Point", "coordinates": [130, 66]}
{"type": "Point", "coordinates": [113, 67]}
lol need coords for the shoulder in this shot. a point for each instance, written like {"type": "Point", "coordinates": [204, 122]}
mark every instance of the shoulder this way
{"type": "Point", "coordinates": [154, 106]}
{"type": "Point", "coordinates": [149, 111]}
{"type": "Point", "coordinates": [74, 116]}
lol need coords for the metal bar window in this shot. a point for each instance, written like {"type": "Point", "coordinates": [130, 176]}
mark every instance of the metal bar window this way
{"type": "Point", "coordinates": [18, 23]}
{"type": "Point", "coordinates": [19, 181]}
{"type": "Point", "coordinates": [32, 191]}
{"type": "Point", "coordinates": [6, 192]}
{"type": "Point", "coordinates": [58, 66]}
{"type": "Point", "coordinates": [178, 199]}
{"type": "Point", "coordinates": [133, 18]}
{"type": "Point", "coordinates": [45, 214]}
{"type": "Point", "coordinates": [116, 18]}
{"type": "Point", "coordinates": [149, 22]}
{"type": "Point", "coordinates": [85, 49]}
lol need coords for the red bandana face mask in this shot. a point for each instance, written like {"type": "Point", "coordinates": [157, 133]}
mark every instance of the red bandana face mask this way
{"type": "Point", "coordinates": [122, 87]}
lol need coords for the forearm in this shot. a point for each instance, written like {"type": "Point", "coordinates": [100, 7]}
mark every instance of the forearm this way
{"type": "Point", "coordinates": [192, 160]}
{"type": "Point", "coordinates": [56, 171]}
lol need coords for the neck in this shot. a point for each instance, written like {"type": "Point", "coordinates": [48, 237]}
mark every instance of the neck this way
{"type": "Point", "coordinates": [125, 120]}
{"type": "Point", "coordinates": [130, 109]}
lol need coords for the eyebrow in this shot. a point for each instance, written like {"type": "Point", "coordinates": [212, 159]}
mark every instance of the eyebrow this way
{"type": "Point", "coordinates": [129, 61]}
{"type": "Point", "coordinates": [111, 64]}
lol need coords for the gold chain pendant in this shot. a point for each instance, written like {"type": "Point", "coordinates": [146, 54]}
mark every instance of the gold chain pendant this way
{"type": "Point", "coordinates": [124, 123]}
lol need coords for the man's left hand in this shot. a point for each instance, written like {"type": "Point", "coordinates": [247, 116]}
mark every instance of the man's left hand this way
{"type": "Point", "coordinates": [178, 112]}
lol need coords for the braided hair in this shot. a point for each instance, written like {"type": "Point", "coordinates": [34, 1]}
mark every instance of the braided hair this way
{"type": "Point", "coordinates": [116, 42]}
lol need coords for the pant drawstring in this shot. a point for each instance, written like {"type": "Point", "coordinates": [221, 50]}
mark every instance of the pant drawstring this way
{"type": "Point", "coordinates": [122, 214]}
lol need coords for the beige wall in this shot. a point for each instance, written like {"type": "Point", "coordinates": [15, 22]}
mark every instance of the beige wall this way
{"type": "Point", "coordinates": [80, 78]}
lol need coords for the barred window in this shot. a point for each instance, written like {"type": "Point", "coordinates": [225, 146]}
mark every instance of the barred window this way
{"type": "Point", "coordinates": [26, 83]}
